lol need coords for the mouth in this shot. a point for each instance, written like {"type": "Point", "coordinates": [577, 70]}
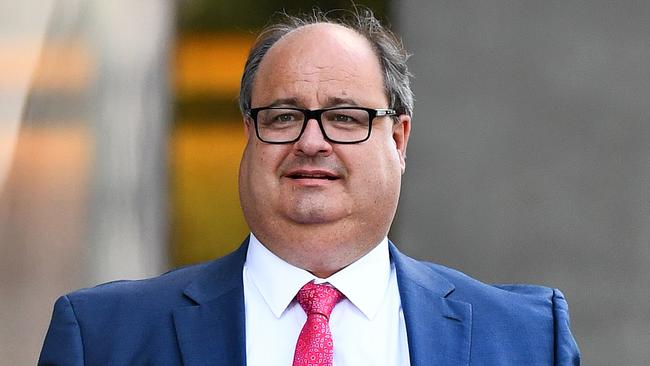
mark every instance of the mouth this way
{"type": "Point", "coordinates": [312, 174]}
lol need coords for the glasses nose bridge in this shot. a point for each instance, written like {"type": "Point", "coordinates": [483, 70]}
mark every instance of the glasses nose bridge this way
{"type": "Point", "coordinates": [312, 114]}
{"type": "Point", "coordinates": [316, 116]}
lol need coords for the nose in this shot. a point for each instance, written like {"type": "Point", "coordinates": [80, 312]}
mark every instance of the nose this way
{"type": "Point", "coordinates": [312, 142]}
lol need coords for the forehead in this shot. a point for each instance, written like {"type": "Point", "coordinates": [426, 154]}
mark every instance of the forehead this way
{"type": "Point", "coordinates": [320, 62]}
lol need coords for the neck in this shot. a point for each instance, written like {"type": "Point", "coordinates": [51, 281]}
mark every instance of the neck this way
{"type": "Point", "coordinates": [319, 250]}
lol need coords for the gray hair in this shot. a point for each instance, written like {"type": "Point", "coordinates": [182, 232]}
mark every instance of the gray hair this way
{"type": "Point", "coordinates": [387, 45]}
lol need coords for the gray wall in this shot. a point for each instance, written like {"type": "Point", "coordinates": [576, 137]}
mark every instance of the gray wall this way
{"type": "Point", "coordinates": [530, 155]}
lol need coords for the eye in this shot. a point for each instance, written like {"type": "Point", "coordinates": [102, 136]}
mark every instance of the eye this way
{"type": "Point", "coordinates": [343, 118]}
{"type": "Point", "coordinates": [346, 118]}
{"type": "Point", "coordinates": [285, 117]}
{"type": "Point", "coordinates": [281, 117]}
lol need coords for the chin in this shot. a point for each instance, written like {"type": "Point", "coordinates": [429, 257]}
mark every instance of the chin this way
{"type": "Point", "coordinates": [302, 213]}
{"type": "Point", "coordinates": [314, 208]}
{"type": "Point", "coordinates": [312, 217]}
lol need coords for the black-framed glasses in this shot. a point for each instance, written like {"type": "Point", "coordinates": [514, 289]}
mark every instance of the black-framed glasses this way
{"type": "Point", "coordinates": [342, 125]}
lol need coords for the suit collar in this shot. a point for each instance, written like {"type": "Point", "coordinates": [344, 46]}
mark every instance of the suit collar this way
{"type": "Point", "coordinates": [438, 328]}
{"type": "Point", "coordinates": [213, 331]}
{"type": "Point", "coordinates": [221, 276]}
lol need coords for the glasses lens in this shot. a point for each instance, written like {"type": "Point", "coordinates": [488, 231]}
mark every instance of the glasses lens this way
{"type": "Point", "coordinates": [346, 124]}
{"type": "Point", "coordinates": [279, 125]}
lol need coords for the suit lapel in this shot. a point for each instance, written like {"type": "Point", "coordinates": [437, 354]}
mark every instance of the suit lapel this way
{"type": "Point", "coordinates": [438, 328]}
{"type": "Point", "coordinates": [212, 332]}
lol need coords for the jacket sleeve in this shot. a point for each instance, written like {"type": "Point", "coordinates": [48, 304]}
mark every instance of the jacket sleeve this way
{"type": "Point", "coordinates": [63, 344]}
{"type": "Point", "coordinates": [566, 348]}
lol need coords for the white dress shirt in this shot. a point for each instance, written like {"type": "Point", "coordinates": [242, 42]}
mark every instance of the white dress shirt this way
{"type": "Point", "coordinates": [367, 326]}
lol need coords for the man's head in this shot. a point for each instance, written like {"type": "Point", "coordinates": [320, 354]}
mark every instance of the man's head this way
{"type": "Point", "coordinates": [388, 47]}
{"type": "Point", "coordinates": [317, 203]}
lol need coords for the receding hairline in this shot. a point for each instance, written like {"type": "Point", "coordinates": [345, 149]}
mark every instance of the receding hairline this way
{"type": "Point", "coordinates": [314, 27]}
{"type": "Point", "coordinates": [320, 27]}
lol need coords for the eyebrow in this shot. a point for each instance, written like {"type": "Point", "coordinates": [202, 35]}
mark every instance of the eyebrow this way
{"type": "Point", "coordinates": [337, 102]}
{"type": "Point", "coordinates": [331, 102]}
{"type": "Point", "coordinates": [283, 102]}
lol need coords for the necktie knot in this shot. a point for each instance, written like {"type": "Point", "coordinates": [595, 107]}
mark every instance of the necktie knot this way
{"type": "Point", "coordinates": [318, 298]}
{"type": "Point", "coordinates": [315, 346]}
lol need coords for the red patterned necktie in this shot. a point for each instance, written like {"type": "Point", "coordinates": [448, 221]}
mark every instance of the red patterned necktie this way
{"type": "Point", "coordinates": [315, 346]}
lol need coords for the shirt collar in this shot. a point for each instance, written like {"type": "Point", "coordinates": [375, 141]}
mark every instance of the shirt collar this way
{"type": "Point", "coordinates": [364, 282]}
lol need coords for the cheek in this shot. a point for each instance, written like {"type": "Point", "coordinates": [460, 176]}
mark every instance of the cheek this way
{"type": "Point", "coordinates": [265, 159]}
{"type": "Point", "coordinates": [372, 169]}
{"type": "Point", "coordinates": [385, 155]}
{"type": "Point", "coordinates": [384, 169]}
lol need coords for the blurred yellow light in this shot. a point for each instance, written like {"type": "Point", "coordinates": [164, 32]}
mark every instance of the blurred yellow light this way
{"type": "Point", "coordinates": [211, 64]}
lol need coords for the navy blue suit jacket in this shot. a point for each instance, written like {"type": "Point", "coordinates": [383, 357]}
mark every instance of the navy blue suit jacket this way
{"type": "Point", "coordinates": [195, 316]}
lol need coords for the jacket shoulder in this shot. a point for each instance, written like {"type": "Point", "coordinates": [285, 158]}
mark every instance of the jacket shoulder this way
{"type": "Point", "coordinates": [132, 322]}
{"type": "Point", "coordinates": [516, 314]}
{"type": "Point", "coordinates": [165, 286]}
{"type": "Point", "coordinates": [466, 285]}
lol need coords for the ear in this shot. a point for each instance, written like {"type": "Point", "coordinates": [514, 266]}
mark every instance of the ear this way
{"type": "Point", "coordinates": [401, 133]}
{"type": "Point", "coordinates": [247, 126]}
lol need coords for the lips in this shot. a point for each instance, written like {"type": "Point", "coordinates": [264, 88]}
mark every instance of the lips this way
{"type": "Point", "coordinates": [312, 174]}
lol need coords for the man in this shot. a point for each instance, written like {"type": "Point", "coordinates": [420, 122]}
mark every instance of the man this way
{"type": "Point", "coordinates": [327, 110]}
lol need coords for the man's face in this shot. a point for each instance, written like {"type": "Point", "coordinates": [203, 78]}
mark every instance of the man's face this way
{"type": "Point", "coordinates": [313, 184]}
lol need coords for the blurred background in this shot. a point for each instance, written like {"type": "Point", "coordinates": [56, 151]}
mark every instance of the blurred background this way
{"type": "Point", "coordinates": [529, 161]}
